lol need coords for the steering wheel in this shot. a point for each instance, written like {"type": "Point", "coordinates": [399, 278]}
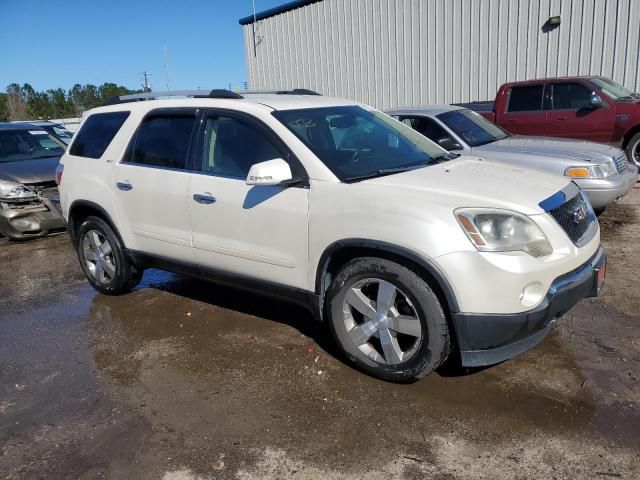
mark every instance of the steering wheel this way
{"type": "Point", "coordinates": [360, 153]}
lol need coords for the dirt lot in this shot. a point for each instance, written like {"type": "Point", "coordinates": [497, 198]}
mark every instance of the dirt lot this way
{"type": "Point", "coordinates": [183, 380]}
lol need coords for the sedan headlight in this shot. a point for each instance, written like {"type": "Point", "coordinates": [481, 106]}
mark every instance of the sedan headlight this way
{"type": "Point", "coordinates": [494, 230]}
{"type": "Point", "coordinates": [15, 191]}
{"type": "Point", "coordinates": [603, 170]}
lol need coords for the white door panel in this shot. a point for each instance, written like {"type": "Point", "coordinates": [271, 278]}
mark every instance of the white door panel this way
{"type": "Point", "coordinates": [155, 209]}
{"type": "Point", "coordinates": [258, 231]}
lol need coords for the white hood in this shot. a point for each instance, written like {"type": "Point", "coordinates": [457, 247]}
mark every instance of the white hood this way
{"type": "Point", "coordinates": [473, 182]}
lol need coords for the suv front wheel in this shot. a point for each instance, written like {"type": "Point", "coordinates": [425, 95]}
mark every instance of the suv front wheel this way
{"type": "Point", "coordinates": [387, 320]}
{"type": "Point", "coordinates": [103, 260]}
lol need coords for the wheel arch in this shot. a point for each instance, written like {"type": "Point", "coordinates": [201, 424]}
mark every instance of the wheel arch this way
{"type": "Point", "coordinates": [81, 209]}
{"type": "Point", "coordinates": [629, 135]}
{"type": "Point", "coordinates": [342, 251]}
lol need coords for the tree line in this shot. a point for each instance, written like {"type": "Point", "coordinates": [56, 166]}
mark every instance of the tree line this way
{"type": "Point", "coordinates": [25, 103]}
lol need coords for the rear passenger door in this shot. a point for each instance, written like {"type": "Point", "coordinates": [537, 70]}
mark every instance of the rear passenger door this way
{"type": "Point", "coordinates": [255, 231]}
{"type": "Point", "coordinates": [151, 184]}
{"type": "Point", "coordinates": [526, 112]}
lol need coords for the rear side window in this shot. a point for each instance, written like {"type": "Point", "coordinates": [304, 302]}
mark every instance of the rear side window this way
{"type": "Point", "coordinates": [570, 96]}
{"type": "Point", "coordinates": [163, 141]}
{"type": "Point", "coordinates": [96, 134]}
{"type": "Point", "coordinates": [525, 99]}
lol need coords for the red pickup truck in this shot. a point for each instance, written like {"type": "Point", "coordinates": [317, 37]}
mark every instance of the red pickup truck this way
{"type": "Point", "coordinates": [587, 108]}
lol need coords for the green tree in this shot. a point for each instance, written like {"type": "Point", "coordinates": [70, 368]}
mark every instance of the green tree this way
{"type": "Point", "coordinates": [4, 107]}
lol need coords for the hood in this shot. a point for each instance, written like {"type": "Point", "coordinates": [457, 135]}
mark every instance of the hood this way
{"type": "Point", "coordinates": [38, 170]}
{"type": "Point", "coordinates": [561, 148]}
{"type": "Point", "coordinates": [473, 182]}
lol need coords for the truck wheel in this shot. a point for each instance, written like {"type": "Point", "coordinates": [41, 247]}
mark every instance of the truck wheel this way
{"type": "Point", "coordinates": [103, 260]}
{"type": "Point", "coordinates": [633, 149]}
{"type": "Point", "coordinates": [387, 320]}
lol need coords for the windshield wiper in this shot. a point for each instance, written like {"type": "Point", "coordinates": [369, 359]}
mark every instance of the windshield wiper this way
{"type": "Point", "coordinates": [386, 171]}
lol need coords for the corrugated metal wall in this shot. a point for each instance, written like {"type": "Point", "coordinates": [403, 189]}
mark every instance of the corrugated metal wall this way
{"type": "Point", "coordinates": [409, 52]}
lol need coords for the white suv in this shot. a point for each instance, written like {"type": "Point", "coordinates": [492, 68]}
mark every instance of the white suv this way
{"type": "Point", "coordinates": [409, 253]}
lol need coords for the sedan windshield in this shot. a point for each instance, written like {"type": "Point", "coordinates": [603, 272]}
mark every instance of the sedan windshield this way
{"type": "Point", "coordinates": [472, 127]}
{"type": "Point", "coordinates": [612, 89]}
{"type": "Point", "coordinates": [355, 143]}
{"type": "Point", "coordinates": [28, 144]}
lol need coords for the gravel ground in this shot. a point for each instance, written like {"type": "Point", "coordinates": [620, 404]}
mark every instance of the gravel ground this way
{"type": "Point", "coordinates": [185, 380]}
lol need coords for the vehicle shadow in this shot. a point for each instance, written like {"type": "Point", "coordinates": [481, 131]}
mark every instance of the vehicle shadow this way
{"type": "Point", "coordinates": [246, 302]}
{"type": "Point", "coordinates": [275, 310]}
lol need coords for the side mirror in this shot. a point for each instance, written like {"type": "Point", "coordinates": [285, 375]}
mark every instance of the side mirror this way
{"type": "Point", "coordinates": [448, 143]}
{"type": "Point", "coordinates": [595, 100]}
{"type": "Point", "coordinates": [271, 172]}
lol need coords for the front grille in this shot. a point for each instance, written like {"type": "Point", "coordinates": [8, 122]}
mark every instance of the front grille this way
{"type": "Point", "coordinates": [569, 217]}
{"type": "Point", "coordinates": [621, 163]}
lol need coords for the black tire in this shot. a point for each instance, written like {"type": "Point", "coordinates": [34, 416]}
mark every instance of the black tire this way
{"type": "Point", "coordinates": [634, 147]}
{"type": "Point", "coordinates": [126, 275]}
{"type": "Point", "coordinates": [434, 342]}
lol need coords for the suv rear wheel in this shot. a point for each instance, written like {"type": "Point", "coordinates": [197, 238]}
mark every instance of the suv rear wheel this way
{"type": "Point", "coordinates": [387, 320]}
{"type": "Point", "coordinates": [103, 260]}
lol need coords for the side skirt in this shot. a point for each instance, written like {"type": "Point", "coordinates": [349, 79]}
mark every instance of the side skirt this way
{"type": "Point", "coordinates": [306, 299]}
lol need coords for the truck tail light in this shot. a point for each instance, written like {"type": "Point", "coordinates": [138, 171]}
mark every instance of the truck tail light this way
{"type": "Point", "coordinates": [59, 170]}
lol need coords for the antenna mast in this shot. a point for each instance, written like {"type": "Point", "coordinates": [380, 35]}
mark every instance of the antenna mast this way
{"type": "Point", "coordinates": [257, 39]}
{"type": "Point", "coordinates": [166, 66]}
{"type": "Point", "coordinates": [146, 86]}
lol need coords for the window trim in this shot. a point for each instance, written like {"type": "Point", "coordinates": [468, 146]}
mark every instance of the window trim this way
{"type": "Point", "coordinates": [159, 112]}
{"type": "Point", "coordinates": [297, 169]}
{"type": "Point", "coordinates": [518, 112]}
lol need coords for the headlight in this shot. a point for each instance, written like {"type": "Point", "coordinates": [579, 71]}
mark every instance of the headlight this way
{"type": "Point", "coordinates": [493, 230]}
{"type": "Point", "coordinates": [603, 170]}
{"type": "Point", "coordinates": [15, 191]}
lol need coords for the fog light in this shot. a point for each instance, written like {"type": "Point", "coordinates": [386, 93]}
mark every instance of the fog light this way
{"type": "Point", "coordinates": [532, 294]}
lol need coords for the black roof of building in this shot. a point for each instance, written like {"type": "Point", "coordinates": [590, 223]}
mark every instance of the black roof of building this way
{"type": "Point", "coordinates": [276, 11]}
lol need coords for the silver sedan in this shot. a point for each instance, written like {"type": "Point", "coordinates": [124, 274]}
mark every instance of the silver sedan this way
{"type": "Point", "coordinates": [602, 171]}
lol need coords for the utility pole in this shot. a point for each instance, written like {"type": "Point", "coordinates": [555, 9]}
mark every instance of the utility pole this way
{"type": "Point", "coordinates": [146, 86]}
{"type": "Point", "coordinates": [166, 67]}
{"type": "Point", "coordinates": [257, 39]}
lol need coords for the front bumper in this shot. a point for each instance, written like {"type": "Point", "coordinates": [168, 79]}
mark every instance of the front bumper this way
{"type": "Point", "coordinates": [22, 221]}
{"type": "Point", "coordinates": [603, 192]}
{"type": "Point", "coordinates": [492, 338]}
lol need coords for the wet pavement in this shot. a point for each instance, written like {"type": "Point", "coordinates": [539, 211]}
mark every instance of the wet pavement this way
{"type": "Point", "coordinates": [183, 380]}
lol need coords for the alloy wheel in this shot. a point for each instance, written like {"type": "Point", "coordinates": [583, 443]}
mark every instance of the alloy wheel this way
{"type": "Point", "coordinates": [381, 321]}
{"type": "Point", "coordinates": [98, 256]}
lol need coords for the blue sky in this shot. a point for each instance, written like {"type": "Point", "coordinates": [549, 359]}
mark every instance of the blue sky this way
{"type": "Point", "coordinates": [52, 44]}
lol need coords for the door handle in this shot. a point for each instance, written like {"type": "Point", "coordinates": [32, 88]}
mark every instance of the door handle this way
{"type": "Point", "coordinates": [204, 198]}
{"type": "Point", "coordinates": [560, 119]}
{"type": "Point", "coordinates": [511, 120]}
{"type": "Point", "coordinates": [125, 186]}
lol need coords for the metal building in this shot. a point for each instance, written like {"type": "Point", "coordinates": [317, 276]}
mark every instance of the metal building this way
{"type": "Point", "coordinates": [408, 52]}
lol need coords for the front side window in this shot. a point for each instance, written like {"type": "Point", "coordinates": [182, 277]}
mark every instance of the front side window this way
{"type": "Point", "coordinates": [430, 129]}
{"type": "Point", "coordinates": [472, 127]}
{"type": "Point", "coordinates": [163, 141]}
{"type": "Point", "coordinates": [231, 146]}
{"type": "Point", "coordinates": [525, 98]}
{"type": "Point", "coordinates": [28, 144]}
{"type": "Point", "coordinates": [570, 96]}
{"type": "Point", "coordinates": [96, 134]}
{"type": "Point", "coordinates": [355, 143]}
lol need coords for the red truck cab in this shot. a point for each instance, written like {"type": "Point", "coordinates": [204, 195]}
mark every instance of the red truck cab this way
{"type": "Point", "coordinates": [586, 108]}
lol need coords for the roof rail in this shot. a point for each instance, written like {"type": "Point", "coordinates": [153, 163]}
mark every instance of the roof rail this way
{"type": "Point", "coordinates": [293, 91]}
{"type": "Point", "coordinates": [138, 97]}
{"type": "Point", "coordinates": [218, 93]}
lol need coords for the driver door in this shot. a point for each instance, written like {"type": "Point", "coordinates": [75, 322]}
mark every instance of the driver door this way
{"type": "Point", "coordinates": [256, 231]}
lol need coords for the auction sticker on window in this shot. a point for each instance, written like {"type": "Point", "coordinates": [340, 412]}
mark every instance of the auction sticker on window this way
{"type": "Point", "coordinates": [37, 132]}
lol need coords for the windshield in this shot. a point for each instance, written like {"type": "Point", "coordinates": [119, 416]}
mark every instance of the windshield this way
{"type": "Point", "coordinates": [472, 127]}
{"type": "Point", "coordinates": [612, 89]}
{"type": "Point", "coordinates": [355, 143]}
{"type": "Point", "coordinates": [28, 144]}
